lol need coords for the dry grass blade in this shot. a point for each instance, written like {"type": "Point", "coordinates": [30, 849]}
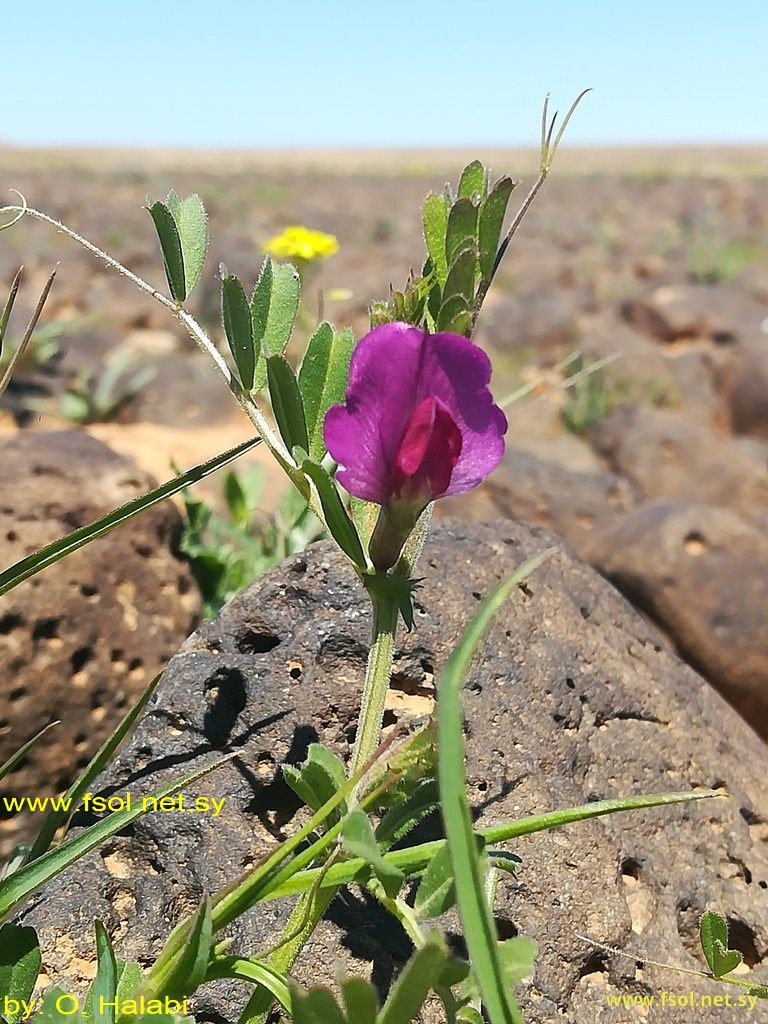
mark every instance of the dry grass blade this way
{"type": "Point", "coordinates": [6, 378]}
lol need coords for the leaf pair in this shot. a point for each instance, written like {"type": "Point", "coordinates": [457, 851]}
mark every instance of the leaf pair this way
{"type": "Point", "coordinates": [182, 227]}
{"type": "Point", "coordinates": [259, 329]}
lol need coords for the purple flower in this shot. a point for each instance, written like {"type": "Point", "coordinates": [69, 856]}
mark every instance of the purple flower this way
{"type": "Point", "coordinates": [419, 423]}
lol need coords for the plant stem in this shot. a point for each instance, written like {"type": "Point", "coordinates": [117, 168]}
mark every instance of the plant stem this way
{"type": "Point", "coordinates": [377, 674]}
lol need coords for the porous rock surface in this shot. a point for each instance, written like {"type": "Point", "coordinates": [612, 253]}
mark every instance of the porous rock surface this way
{"type": "Point", "coordinates": [80, 640]}
{"type": "Point", "coordinates": [572, 697]}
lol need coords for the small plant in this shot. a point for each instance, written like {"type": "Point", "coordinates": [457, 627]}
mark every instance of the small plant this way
{"type": "Point", "coordinates": [226, 554]}
{"type": "Point", "coordinates": [102, 399]}
{"type": "Point", "coordinates": [591, 395]}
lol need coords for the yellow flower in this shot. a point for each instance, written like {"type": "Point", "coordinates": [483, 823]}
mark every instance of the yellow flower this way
{"type": "Point", "coordinates": [298, 242]}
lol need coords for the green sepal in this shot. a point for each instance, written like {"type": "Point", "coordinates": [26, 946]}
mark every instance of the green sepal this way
{"type": "Point", "coordinates": [394, 588]}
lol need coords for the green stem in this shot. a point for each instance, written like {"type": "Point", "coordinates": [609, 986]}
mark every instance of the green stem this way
{"type": "Point", "coordinates": [377, 674]}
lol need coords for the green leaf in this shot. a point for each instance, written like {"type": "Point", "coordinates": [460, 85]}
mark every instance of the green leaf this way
{"type": "Point", "coordinates": [259, 314]}
{"type": "Point", "coordinates": [317, 1006]}
{"type": "Point", "coordinates": [341, 527]}
{"type": "Point", "coordinates": [360, 841]}
{"type": "Point", "coordinates": [359, 1000]}
{"type": "Point", "coordinates": [435, 218]}
{"type": "Point", "coordinates": [461, 231]}
{"type": "Point", "coordinates": [170, 246]}
{"type": "Point", "coordinates": [319, 778]}
{"type": "Point", "coordinates": [253, 970]}
{"type": "Point", "coordinates": [453, 311]}
{"type": "Point", "coordinates": [436, 892]}
{"type": "Point", "coordinates": [238, 326]}
{"type": "Point", "coordinates": [473, 181]}
{"type": "Point", "coordinates": [323, 379]}
{"type": "Point", "coordinates": [189, 970]}
{"type": "Point", "coordinates": [407, 813]}
{"type": "Point", "coordinates": [22, 752]}
{"type": "Point", "coordinates": [491, 221]}
{"type": "Point", "coordinates": [468, 866]}
{"type": "Point", "coordinates": [422, 972]}
{"type": "Point", "coordinates": [713, 932]}
{"type": "Point", "coordinates": [286, 403]}
{"type": "Point", "coordinates": [32, 564]}
{"type": "Point", "coordinates": [104, 987]}
{"type": "Point", "coordinates": [461, 277]}
{"type": "Point", "coordinates": [283, 309]}
{"type": "Point", "coordinates": [50, 1013]}
{"type": "Point", "coordinates": [517, 957]}
{"type": "Point", "coordinates": [192, 224]}
{"type": "Point", "coordinates": [20, 962]}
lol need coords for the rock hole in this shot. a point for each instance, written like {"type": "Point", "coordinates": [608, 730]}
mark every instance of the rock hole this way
{"type": "Point", "coordinates": [116, 654]}
{"type": "Point", "coordinates": [11, 536]}
{"type": "Point", "coordinates": [80, 659]}
{"type": "Point", "coordinates": [694, 543]}
{"type": "Point", "coordinates": [585, 612]}
{"type": "Point", "coordinates": [225, 695]}
{"type": "Point", "coordinates": [10, 622]}
{"type": "Point", "coordinates": [295, 669]}
{"type": "Point", "coordinates": [18, 694]}
{"type": "Point", "coordinates": [46, 629]}
{"type": "Point", "coordinates": [505, 929]}
{"type": "Point", "coordinates": [596, 963]}
{"type": "Point", "coordinates": [88, 590]}
{"type": "Point", "coordinates": [256, 641]}
{"type": "Point", "coordinates": [630, 868]}
{"type": "Point", "coordinates": [144, 550]}
{"type": "Point", "coordinates": [390, 718]}
{"type": "Point", "coordinates": [741, 937]}
{"type": "Point", "coordinates": [570, 683]}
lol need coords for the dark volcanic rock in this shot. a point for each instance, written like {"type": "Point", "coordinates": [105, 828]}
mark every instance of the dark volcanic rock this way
{"type": "Point", "coordinates": [572, 697]}
{"type": "Point", "coordinates": [702, 574]}
{"type": "Point", "coordinates": [81, 640]}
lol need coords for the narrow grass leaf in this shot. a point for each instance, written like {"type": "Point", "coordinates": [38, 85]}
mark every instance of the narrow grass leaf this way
{"type": "Point", "coordinates": [252, 970]}
{"type": "Point", "coordinates": [32, 564]}
{"type": "Point", "coordinates": [56, 818]}
{"type": "Point", "coordinates": [22, 752]}
{"type": "Point", "coordinates": [238, 327]}
{"type": "Point", "coordinates": [189, 969]}
{"type": "Point", "coordinates": [5, 315]}
{"type": "Point", "coordinates": [468, 868]}
{"type": "Point", "coordinates": [23, 883]}
{"type": "Point", "coordinates": [104, 987]}
{"type": "Point", "coordinates": [170, 246]}
{"type": "Point", "coordinates": [20, 962]}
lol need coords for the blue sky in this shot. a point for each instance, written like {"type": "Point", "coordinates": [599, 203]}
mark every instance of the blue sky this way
{"type": "Point", "coordinates": [246, 74]}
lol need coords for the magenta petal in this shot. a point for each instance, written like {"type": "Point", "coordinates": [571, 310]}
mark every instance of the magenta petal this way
{"type": "Point", "coordinates": [429, 449]}
{"type": "Point", "coordinates": [394, 369]}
